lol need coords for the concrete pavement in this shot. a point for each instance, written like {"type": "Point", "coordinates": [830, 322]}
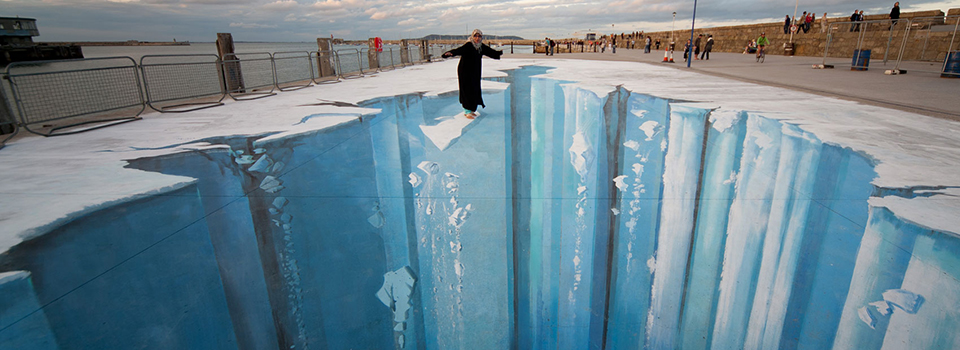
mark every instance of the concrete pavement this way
{"type": "Point", "coordinates": [921, 90]}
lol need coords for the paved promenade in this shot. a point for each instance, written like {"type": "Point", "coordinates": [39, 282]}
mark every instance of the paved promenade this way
{"type": "Point", "coordinates": [917, 91]}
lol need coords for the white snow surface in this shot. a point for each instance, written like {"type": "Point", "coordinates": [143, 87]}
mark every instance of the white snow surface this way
{"type": "Point", "coordinates": [50, 181]}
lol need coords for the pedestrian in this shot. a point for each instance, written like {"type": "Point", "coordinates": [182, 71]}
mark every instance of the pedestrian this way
{"type": "Point", "coordinates": [895, 14]}
{"type": "Point", "coordinates": [802, 22]}
{"type": "Point", "coordinates": [696, 45]}
{"type": "Point", "coordinates": [706, 49]}
{"type": "Point", "coordinates": [686, 50]}
{"type": "Point", "coordinates": [808, 22]}
{"type": "Point", "coordinates": [646, 45]}
{"type": "Point", "coordinates": [860, 19]}
{"type": "Point", "coordinates": [658, 44]}
{"type": "Point", "coordinates": [468, 71]}
{"type": "Point", "coordinates": [853, 18]}
{"type": "Point", "coordinates": [613, 43]}
{"type": "Point", "coordinates": [786, 25]}
{"type": "Point", "coordinates": [823, 23]}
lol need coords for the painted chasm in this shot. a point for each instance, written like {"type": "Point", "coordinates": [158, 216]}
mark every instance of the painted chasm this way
{"type": "Point", "coordinates": [569, 220]}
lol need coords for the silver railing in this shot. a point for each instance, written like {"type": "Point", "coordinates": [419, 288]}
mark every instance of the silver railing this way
{"type": "Point", "coordinates": [292, 70]}
{"type": "Point", "coordinates": [99, 89]}
{"type": "Point", "coordinates": [911, 42]}
{"type": "Point", "coordinates": [248, 76]}
{"type": "Point", "coordinates": [365, 61]}
{"type": "Point", "coordinates": [925, 28]}
{"type": "Point", "coordinates": [184, 78]}
{"type": "Point", "coordinates": [347, 60]}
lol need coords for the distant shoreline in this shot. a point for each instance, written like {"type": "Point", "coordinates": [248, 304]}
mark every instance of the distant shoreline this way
{"type": "Point", "coordinates": [116, 43]}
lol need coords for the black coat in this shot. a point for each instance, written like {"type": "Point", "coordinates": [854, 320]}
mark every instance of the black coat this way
{"type": "Point", "coordinates": [469, 72]}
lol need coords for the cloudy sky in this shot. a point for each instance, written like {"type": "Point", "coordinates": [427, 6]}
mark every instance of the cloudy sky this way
{"type": "Point", "coordinates": [305, 20]}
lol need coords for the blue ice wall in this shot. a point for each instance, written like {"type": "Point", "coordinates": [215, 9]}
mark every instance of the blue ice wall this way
{"type": "Point", "coordinates": [562, 217]}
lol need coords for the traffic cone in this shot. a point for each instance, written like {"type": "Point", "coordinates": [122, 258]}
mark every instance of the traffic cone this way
{"type": "Point", "coordinates": [666, 52]}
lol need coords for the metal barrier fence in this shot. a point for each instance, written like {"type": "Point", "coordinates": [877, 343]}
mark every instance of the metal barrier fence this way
{"type": "Point", "coordinates": [893, 39]}
{"type": "Point", "coordinates": [249, 81]}
{"type": "Point", "coordinates": [349, 63]}
{"type": "Point", "coordinates": [292, 67]}
{"type": "Point", "coordinates": [181, 77]}
{"type": "Point", "coordinates": [92, 87]}
{"type": "Point", "coordinates": [327, 69]}
{"type": "Point", "coordinates": [366, 65]}
{"type": "Point", "coordinates": [102, 90]}
{"type": "Point", "coordinates": [922, 29]}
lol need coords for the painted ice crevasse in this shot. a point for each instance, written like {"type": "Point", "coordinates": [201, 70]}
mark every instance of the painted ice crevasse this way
{"type": "Point", "coordinates": [563, 217]}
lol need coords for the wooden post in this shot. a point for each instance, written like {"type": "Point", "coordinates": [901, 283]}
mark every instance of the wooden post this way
{"type": "Point", "coordinates": [404, 52]}
{"type": "Point", "coordinates": [324, 57]}
{"type": "Point", "coordinates": [425, 50]}
{"type": "Point", "coordinates": [372, 54]}
{"type": "Point", "coordinates": [232, 77]}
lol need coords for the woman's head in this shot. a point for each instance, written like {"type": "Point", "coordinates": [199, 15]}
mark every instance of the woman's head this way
{"type": "Point", "coordinates": [476, 36]}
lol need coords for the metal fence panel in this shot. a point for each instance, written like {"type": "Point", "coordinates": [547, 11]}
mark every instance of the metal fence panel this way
{"type": "Point", "coordinates": [293, 67]}
{"type": "Point", "coordinates": [350, 62]}
{"type": "Point", "coordinates": [935, 39]}
{"type": "Point", "coordinates": [181, 77]}
{"type": "Point", "coordinates": [414, 51]}
{"type": "Point", "coordinates": [883, 38]}
{"type": "Point", "coordinates": [248, 75]}
{"type": "Point", "coordinates": [54, 90]}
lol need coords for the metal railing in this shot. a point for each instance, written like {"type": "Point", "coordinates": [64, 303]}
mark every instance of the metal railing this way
{"type": "Point", "coordinates": [181, 77]}
{"type": "Point", "coordinates": [294, 68]}
{"type": "Point", "coordinates": [347, 60]}
{"type": "Point", "coordinates": [107, 90]}
{"type": "Point", "coordinates": [248, 75]}
{"type": "Point", "coordinates": [92, 87]}
{"type": "Point", "coordinates": [329, 60]}
{"type": "Point", "coordinates": [926, 27]}
{"type": "Point", "coordinates": [904, 40]}
{"type": "Point", "coordinates": [366, 62]}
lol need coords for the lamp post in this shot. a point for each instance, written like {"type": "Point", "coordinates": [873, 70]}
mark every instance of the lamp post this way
{"type": "Point", "coordinates": [673, 27]}
{"type": "Point", "coordinates": [692, 25]}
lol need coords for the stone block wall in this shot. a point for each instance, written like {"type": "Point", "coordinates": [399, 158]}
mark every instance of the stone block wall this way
{"type": "Point", "coordinates": [927, 39]}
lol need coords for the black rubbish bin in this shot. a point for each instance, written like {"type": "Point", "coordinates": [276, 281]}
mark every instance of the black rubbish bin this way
{"type": "Point", "coordinates": [788, 49]}
{"type": "Point", "coordinates": [861, 60]}
{"type": "Point", "coordinates": [951, 67]}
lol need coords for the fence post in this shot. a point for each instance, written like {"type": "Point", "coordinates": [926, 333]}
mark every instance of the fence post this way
{"type": "Point", "coordinates": [232, 78]}
{"type": "Point", "coordinates": [373, 57]}
{"type": "Point", "coordinates": [324, 49]}
{"type": "Point", "coordinates": [405, 52]}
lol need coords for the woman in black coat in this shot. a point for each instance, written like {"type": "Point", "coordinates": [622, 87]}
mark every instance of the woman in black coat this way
{"type": "Point", "coordinates": [469, 71]}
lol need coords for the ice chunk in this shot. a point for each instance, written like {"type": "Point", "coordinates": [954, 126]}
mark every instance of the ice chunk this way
{"type": "Point", "coordinates": [459, 216]}
{"type": "Point", "coordinates": [652, 264]}
{"type": "Point", "coordinates": [904, 299]}
{"type": "Point", "coordinates": [262, 165]}
{"type": "Point", "coordinates": [867, 317]}
{"type": "Point", "coordinates": [376, 219]}
{"type": "Point", "coordinates": [415, 180]}
{"type": "Point", "coordinates": [631, 144]}
{"type": "Point", "coordinates": [580, 156]}
{"type": "Point", "coordinates": [400, 340]}
{"type": "Point", "coordinates": [384, 295]}
{"type": "Point", "coordinates": [650, 128]}
{"type": "Point", "coordinates": [279, 202]}
{"type": "Point", "coordinates": [277, 167]}
{"type": "Point", "coordinates": [286, 218]}
{"type": "Point", "coordinates": [400, 327]}
{"type": "Point", "coordinates": [244, 159]}
{"type": "Point", "coordinates": [723, 120]}
{"type": "Point", "coordinates": [620, 183]}
{"type": "Point", "coordinates": [883, 307]}
{"type": "Point", "coordinates": [271, 184]}
{"type": "Point", "coordinates": [259, 151]}
{"type": "Point", "coordinates": [446, 132]}
{"type": "Point", "coordinates": [428, 167]}
{"type": "Point", "coordinates": [615, 211]}
{"type": "Point", "coordinates": [273, 211]}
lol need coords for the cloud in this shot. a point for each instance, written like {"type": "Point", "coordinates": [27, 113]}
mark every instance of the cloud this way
{"type": "Point", "coordinates": [252, 25]}
{"type": "Point", "coordinates": [282, 5]}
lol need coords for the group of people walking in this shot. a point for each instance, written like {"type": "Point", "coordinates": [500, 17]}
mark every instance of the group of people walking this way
{"type": "Point", "coordinates": [697, 54]}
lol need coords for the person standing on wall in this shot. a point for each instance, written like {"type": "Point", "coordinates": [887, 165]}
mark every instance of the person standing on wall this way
{"type": "Point", "coordinates": [786, 25]}
{"type": "Point", "coordinates": [696, 46]}
{"type": "Point", "coordinates": [823, 23]}
{"type": "Point", "coordinates": [801, 23]}
{"type": "Point", "coordinates": [658, 44]}
{"type": "Point", "coordinates": [706, 49]}
{"type": "Point", "coordinates": [860, 19]}
{"type": "Point", "coordinates": [895, 14]}
{"type": "Point", "coordinates": [468, 71]}
{"type": "Point", "coordinates": [853, 18]}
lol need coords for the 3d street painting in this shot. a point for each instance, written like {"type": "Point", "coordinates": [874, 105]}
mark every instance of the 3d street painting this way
{"type": "Point", "coordinates": [569, 215]}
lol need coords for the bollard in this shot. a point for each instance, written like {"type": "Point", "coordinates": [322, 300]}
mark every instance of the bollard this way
{"type": "Point", "coordinates": [232, 76]}
{"type": "Point", "coordinates": [324, 55]}
{"type": "Point", "coordinates": [425, 50]}
{"type": "Point", "coordinates": [405, 52]}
